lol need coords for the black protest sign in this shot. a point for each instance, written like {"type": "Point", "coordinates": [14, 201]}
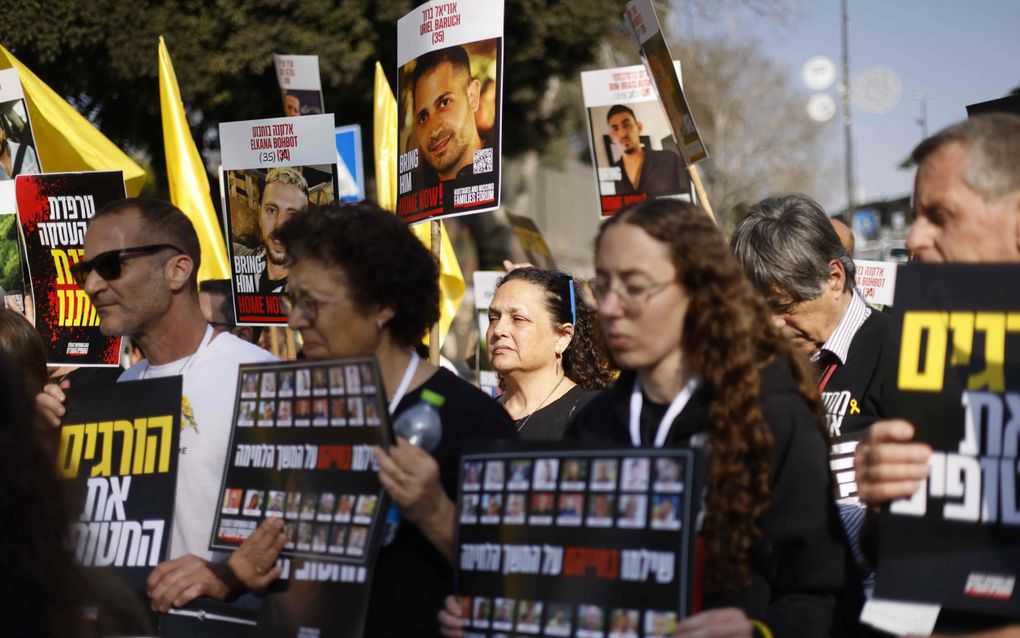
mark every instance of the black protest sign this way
{"type": "Point", "coordinates": [957, 540]}
{"type": "Point", "coordinates": [301, 450]}
{"type": "Point", "coordinates": [55, 210]}
{"type": "Point", "coordinates": [576, 543]}
{"type": "Point", "coordinates": [120, 443]}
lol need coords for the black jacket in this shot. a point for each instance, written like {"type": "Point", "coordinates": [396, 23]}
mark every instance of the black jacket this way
{"type": "Point", "coordinates": [798, 567]}
{"type": "Point", "coordinates": [853, 394]}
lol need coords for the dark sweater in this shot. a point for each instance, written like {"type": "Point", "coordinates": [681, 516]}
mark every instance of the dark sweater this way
{"type": "Point", "coordinates": [798, 566]}
{"type": "Point", "coordinates": [411, 576]}
{"type": "Point", "coordinates": [550, 422]}
{"type": "Point", "coordinates": [861, 377]}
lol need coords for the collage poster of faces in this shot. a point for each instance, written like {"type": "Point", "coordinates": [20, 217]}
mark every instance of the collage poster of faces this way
{"type": "Point", "coordinates": [632, 145]}
{"type": "Point", "coordinates": [301, 451]}
{"type": "Point", "coordinates": [449, 92]}
{"type": "Point", "coordinates": [272, 169]}
{"type": "Point", "coordinates": [603, 510]}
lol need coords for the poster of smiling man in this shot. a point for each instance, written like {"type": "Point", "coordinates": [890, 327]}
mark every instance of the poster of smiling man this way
{"type": "Point", "coordinates": [449, 85]}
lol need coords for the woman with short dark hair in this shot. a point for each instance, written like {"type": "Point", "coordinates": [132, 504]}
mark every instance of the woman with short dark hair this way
{"type": "Point", "coordinates": [361, 284]}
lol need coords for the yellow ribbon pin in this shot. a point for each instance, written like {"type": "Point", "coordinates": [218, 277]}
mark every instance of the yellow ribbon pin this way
{"type": "Point", "coordinates": [853, 407]}
{"type": "Point", "coordinates": [187, 415]}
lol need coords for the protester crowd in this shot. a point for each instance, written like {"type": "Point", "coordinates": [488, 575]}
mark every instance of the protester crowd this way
{"type": "Point", "coordinates": [738, 347]}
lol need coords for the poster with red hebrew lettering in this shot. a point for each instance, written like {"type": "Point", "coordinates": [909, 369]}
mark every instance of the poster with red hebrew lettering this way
{"type": "Point", "coordinates": [449, 92]}
{"type": "Point", "coordinates": [300, 86]}
{"type": "Point", "coordinates": [633, 150]}
{"type": "Point", "coordinates": [272, 169]}
{"type": "Point", "coordinates": [54, 210]}
{"type": "Point", "coordinates": [301, 450]}
{"type": "Point", "coordinates": [568, 542]}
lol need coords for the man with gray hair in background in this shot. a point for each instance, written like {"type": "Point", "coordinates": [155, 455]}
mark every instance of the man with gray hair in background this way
{"type": "Point", "coordinates": [285, 193]}
{"type": "Point", "coordinates": [793, 256]}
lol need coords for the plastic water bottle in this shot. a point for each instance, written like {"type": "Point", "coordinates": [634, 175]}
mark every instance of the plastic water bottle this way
{"type": "Point", "coordinates": [422, 427]}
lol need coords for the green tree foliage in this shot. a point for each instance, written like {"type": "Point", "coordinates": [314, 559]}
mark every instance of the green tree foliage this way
{"type": "Point", "coordinates": [10, 262]}
{"type": "Point", "coordinates": [102, 55]}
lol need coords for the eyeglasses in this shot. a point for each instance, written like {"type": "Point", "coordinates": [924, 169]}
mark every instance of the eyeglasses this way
{"type": "Point", "coordinates": [308, 306]}
{"type": "Point", "coordinates": [109, 264]}
{"type": "Point", "coordinates": [633, 297]}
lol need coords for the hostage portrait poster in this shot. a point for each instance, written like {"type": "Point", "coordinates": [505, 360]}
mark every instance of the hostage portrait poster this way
{"type": "Point", "coordinates": [12, 283]}
{"type": "Point", "coordinates": [633, 150]}
{"type": "Point", "coordinates": [300, 85]}
{"type": "Point", "coordinates": [18, 154]}
{"type": "Point", "coordinates": [956, 542]}
{"type": "Point", "coordinates": [55, 210]}
{"type": "Point", "coordinates": [301, 450]}
{"type": "Point", "coordinates": [272, 169]}
{"type": "Point", "coordinates": [449, 92]}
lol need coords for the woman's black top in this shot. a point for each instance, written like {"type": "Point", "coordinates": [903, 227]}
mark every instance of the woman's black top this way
{"type": "Point", "coordinates": [798, 565]}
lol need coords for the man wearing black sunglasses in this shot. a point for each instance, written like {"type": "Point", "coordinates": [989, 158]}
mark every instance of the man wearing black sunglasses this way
{"type": "Point", "coordinates": [140, 270]}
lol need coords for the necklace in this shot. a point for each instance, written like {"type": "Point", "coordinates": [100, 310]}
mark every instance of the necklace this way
{"type": "Point", "coordinates": [206, 338]}
{"type": "Point", "coordinates": [187, 412]}
{"type": "Point", "coordinates": [542, 404]}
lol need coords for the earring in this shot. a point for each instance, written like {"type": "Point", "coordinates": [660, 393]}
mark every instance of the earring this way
{"type": "Point", "coordinates": [379, 325]}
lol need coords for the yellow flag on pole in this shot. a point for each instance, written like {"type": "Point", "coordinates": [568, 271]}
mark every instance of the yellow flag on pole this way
{"type": "Point", "coordinates": [66, 141]}
{"type": "Point", "coordinates": [185, 171]}
{"type": "Point", "coordinates": [451, 280]}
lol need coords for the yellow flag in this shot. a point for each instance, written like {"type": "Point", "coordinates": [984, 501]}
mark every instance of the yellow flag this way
{"type": "Point", "coordinates": [189, 183]}
{"type": "Point", "coordinates": [451, 280]}
{"type": "Point", "coordinates": [66, 141]}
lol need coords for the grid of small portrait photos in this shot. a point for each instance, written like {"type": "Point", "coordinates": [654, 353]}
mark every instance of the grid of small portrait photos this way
{"type": "Point", "coordinates": [322, 396]}
{"type": "Point", "coordinates": [327, 514]}
{"type": "Point", "coordinates": [576, 500]}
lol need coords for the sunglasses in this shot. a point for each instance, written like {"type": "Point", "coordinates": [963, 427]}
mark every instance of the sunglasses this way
{"type": "Point", "coordinates": [109, 264]}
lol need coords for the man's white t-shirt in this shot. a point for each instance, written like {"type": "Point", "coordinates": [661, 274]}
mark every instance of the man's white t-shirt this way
{"type": "Point", "coordinates": [209, 388]}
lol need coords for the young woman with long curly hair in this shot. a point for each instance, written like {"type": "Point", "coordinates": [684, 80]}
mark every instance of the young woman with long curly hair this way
{"type": "Point", "coordinates": [700, 355]}
{"type": "Point", "coordinates": [543, 342]}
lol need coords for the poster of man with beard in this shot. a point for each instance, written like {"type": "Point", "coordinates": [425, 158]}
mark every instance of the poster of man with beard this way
{"type": "Point", "coordinates": [272, 169]}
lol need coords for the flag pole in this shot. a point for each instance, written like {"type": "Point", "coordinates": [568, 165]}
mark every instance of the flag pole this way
{"type": "Point", "coordinates": [699, 189]}
{"type": "Point", "coordinates": [436, 245]}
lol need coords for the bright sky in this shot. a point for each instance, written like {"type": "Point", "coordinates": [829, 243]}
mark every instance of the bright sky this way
{"type": "Point", "coordinates": [956, 53]}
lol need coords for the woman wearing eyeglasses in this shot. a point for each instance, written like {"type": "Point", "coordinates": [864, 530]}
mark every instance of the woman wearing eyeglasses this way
{"type": "Point", "coordinates": [542, 342]}
{"type": "Point", "coordinates": [701, 356]}
{"type": "Point", "coordinates": [360, 284]}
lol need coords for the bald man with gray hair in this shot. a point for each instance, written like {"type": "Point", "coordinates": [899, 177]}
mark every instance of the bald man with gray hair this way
{"type": "Point", "coordinates": [966, 210]}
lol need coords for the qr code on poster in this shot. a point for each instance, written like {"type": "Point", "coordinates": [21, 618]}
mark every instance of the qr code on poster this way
{"type": "Point", "coordinates": [483, 161]}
